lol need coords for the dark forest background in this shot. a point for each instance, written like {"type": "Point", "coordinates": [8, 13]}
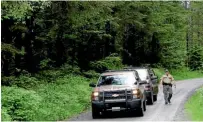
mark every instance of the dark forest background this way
{"type": "Point", "coordinates": [42, 35]}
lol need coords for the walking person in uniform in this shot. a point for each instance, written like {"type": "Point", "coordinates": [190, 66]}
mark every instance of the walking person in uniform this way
{"type": "Point", "coordinates": [167, 81]}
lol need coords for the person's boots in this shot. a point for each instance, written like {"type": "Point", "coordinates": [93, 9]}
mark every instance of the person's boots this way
{"type": "Point", "coordinates": [169, 98]}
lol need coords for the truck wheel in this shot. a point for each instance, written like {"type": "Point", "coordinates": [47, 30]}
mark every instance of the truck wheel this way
{"type": "Point", "coordinates": [155, 97]}
{"type": "Point", "coordinates": [144, 105]}
{"type": "Point", "coordinates": [150, 100]}
{"type": "Point", "coordinates": [140, 111]}
{"type": "Point", "coordinates": [95, 113]}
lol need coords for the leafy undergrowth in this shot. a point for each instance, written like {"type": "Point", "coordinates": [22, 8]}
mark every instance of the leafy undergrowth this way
{"type": "Point", "coordinates": [66, 97]}
{"type": "Point", "coordinates": [194, 106]}
{"type": "Point", "coordinates": [180, 74]}
{"type": "Point", "coordinates": [19, 104]}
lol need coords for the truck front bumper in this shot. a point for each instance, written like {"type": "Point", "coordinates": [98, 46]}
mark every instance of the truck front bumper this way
{"type": "Point", "coordinates": [123, 105]}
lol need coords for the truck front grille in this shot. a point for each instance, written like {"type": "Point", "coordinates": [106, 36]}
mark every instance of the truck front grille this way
{"type": "Point", "coordinates": [116, 95]}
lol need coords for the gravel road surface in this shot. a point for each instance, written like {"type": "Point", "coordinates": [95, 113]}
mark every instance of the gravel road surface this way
{"type": "Point", "coordinates": [159, 111]}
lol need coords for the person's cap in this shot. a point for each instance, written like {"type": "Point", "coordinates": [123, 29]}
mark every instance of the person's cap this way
{"type": "Point", "coordinates": [166, 70]}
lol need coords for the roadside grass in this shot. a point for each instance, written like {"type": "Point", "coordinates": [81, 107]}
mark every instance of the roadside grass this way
{"type": "Point", "coordinates": [180, 74]}
{"type": "Point", "coordinates": [194, 106]}
{"type": "Point", "coordinates": [62, 99]}
{"type": "Point", "coordinates": [66, 97]}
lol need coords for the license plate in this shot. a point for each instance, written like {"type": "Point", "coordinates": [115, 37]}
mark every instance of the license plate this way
{"type": "Point", "coordinates": [116, 108]}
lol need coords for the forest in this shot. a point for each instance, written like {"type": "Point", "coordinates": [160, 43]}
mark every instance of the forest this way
{"type": "Point", "coordinates": [71, 42]}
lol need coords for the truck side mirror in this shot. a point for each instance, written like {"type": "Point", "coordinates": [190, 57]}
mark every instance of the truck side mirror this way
{"type": "Point", "coordinates": [154, 77]}
{"type": "Point", "coordinates": [143, 82]}
{"type": "Point", "coordinates": [92, 85]}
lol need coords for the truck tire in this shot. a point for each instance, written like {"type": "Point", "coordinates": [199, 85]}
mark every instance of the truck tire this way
{"type": "Point", "coordinates": [95, 113]}
{"type": "Point", "coordinates": [155, 97]}
{"type": "Point", "coordinates": [144, 105]}
{"type": "Point", "coordinates": [140, 111]}
{"type": "Point", "coordinates": [150, 100]}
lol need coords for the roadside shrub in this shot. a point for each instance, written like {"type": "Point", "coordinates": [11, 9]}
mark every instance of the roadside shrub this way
{"type": "Point", "coordinates": [91, 74]}
{"type": "Point", "coordinates": [7, 81]}
{"type": "Point", "coordinates": [110, 62]}
{"type": "Point", "coordinates": [26, 81]}
{"type": "Point", "coordinates": [196, 58]}
{"type": "Point", "coordinates": [19, 104]}
{"type": "Point", "coordinates": [49, 75]}
{"type": "Point", "coordinates": [113, 62]}
{"type": "Point", "coordinates": [64, 98]}
{"type": "Point", "coordinates": [98, 66]}
{"type": "Point", "coordinates": [69, 69]}
{"type": "Point", "coordinates": [4, 115]}
{"type": "Point", "coordinates": [53, 74]}
{"type": "Point", "coordinates": [45, 64]}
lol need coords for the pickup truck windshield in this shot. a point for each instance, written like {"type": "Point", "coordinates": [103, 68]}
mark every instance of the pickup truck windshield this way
{"type": "Point", "coordinates": [117, 79]}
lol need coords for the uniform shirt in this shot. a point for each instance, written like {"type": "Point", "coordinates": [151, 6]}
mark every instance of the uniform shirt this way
{"type": "Point", "coordinates": [167, 79]}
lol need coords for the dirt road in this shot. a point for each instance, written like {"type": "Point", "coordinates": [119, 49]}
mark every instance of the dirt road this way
{"type": "Point", "coordinates": [159, 111]}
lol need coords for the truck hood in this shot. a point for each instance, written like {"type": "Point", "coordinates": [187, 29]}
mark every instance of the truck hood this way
{"type": "Point", "coordinates": [114, 87]}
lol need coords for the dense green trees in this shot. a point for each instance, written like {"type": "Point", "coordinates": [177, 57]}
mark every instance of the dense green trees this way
{"type": "Point", "coordinates": [195, 38]}
{"type": "Point", "coordinates": [43, 35]}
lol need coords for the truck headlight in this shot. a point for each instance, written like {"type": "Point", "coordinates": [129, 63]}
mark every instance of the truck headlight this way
{"type": "Point", "coordinates": [136, 93]}
{"type": "Point", "coordinates": [95, 95]}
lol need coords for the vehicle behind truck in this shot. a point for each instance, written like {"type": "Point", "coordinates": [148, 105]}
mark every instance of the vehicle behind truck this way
{"type": "Point", "coordinates": [118, 91]}
{"type": "Point", "coordinates": [150, 82]}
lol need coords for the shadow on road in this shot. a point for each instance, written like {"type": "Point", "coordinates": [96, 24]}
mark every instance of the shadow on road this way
{"type": "Point", "coordinates": [120, 114]}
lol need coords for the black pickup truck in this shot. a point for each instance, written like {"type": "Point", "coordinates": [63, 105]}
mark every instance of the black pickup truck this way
{"type": "Point", "coordinates": [118, 91]}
